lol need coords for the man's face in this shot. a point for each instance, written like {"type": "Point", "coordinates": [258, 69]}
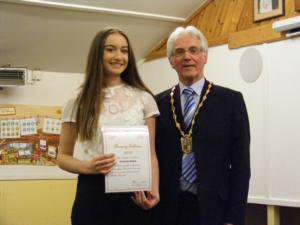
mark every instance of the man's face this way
{"type": "Point", "coordinates": [188, 59]}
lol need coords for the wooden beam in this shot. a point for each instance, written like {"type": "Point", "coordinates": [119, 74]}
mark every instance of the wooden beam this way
{"type": "Point", "coordinates": [220, 40]}
{"type": "Point", "coordinates": [256, 35]}
{"type": "Point", "coordinates": [231, 22]}
{"type": "Point", "coordinates": [297, 5]}
{"type": "Point", "coordinates": [236, 15]}
{"type": "Point", "coordinates": [273, 215]}
{"type": "Point", "coordinates": [196, 13]}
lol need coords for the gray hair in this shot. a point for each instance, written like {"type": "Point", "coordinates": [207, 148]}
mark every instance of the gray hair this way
{"type": "Point", "coordinates": [191, 30]}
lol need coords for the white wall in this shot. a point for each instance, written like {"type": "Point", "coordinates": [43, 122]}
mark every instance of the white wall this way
{"type": "Point", "coordinates": [273, 107]}
{"type": "Point", "coordinates": [52, 90]}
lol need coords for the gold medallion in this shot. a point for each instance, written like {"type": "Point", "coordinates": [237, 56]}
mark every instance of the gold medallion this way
{"type": "Point", "coordinates": [186, 144]}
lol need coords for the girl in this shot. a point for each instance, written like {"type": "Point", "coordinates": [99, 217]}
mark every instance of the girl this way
{"type": "Point", "coordinates": [111, 94]}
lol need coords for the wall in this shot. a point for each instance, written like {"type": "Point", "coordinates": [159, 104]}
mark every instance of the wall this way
{"type": "Point", "coordinates": [36, 202]}
{"type": "Point", "coordinates": [48, 199]}
{"type": "Point", "coordinates": [273, 105]}
{"type": "Point", "coordinates": [53, 90]}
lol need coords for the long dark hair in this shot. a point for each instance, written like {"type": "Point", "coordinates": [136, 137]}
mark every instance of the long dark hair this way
{"type": "Point", "coordinates": [91, 95]}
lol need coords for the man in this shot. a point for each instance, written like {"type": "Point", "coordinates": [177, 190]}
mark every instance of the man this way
{"type": "Point", "coordinates": [202, 142]}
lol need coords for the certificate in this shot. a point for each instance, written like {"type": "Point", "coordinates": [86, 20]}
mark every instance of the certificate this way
{"type": "Point", "coordinates": [131, 146]}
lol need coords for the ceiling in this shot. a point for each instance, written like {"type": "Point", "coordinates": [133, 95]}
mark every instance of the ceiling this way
{"type": "Point", "coordinates": [56, 35]}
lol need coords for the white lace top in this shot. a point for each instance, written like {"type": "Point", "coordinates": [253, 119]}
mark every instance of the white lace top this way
{"type": "Point", "coordinates": [122, 105]}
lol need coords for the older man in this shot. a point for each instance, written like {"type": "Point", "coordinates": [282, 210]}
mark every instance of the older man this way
{"type": "Point", "coordinates": [202, 142]}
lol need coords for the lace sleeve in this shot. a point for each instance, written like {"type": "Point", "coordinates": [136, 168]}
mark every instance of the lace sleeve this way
{"type": "Point", "coordinates": [69, 111]}
{"type": "Point", "coordinates": [150, 107]}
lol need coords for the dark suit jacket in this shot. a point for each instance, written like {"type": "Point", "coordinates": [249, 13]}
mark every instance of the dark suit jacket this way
{"type": "Point", "coordinates": [221, 140]}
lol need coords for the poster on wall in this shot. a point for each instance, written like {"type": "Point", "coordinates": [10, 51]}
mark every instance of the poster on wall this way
{"type": "Point", "coordinates": [9, 128]}
{"type": "Point", "coordinates": [29, 140]}
{"type": "Point", "coordinates": [28, 126]}
{"type": "Point", "coordinates": [22, 142]}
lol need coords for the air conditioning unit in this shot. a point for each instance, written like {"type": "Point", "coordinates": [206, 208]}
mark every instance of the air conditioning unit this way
{"type": "Point", "coordinates": [10, 76]}
{"type": "Point", "coordinates": [291, 25]}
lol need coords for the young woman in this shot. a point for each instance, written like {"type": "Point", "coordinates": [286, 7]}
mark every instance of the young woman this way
{"type": "Point", "coordinates": [111, 94]}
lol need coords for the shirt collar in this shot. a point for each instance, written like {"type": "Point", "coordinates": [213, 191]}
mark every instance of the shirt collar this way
{"type": "Point", "coordinates": [197, 86]}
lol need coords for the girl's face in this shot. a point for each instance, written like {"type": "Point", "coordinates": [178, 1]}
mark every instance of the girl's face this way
{"type": "Point", "coordinates": [115, 55]}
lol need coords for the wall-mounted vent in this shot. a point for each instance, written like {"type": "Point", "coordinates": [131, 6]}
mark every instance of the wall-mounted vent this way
{"type": "Point", "coordinates": [13, 76]}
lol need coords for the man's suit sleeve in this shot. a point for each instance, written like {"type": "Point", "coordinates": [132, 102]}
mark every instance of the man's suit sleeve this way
{"type": "Point", "coordinates": [240, 163]}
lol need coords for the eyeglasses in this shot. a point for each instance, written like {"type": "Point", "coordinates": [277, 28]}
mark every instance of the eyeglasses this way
{"type": "Point", "coordinates": [179, 52]}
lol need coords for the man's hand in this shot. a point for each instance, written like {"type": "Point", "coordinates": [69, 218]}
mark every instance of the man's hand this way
{"type": "Point", "coordinates": [145, 200]}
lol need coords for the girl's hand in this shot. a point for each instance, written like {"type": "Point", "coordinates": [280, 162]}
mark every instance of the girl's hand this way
{"type": "Point", "coordinates": [102, 164]}
{"type": "Point", "coordinates": [146, 200]}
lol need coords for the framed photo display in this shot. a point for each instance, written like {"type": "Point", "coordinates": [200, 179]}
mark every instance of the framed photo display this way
{"type": "Point", "coordinates": [265, 9]}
